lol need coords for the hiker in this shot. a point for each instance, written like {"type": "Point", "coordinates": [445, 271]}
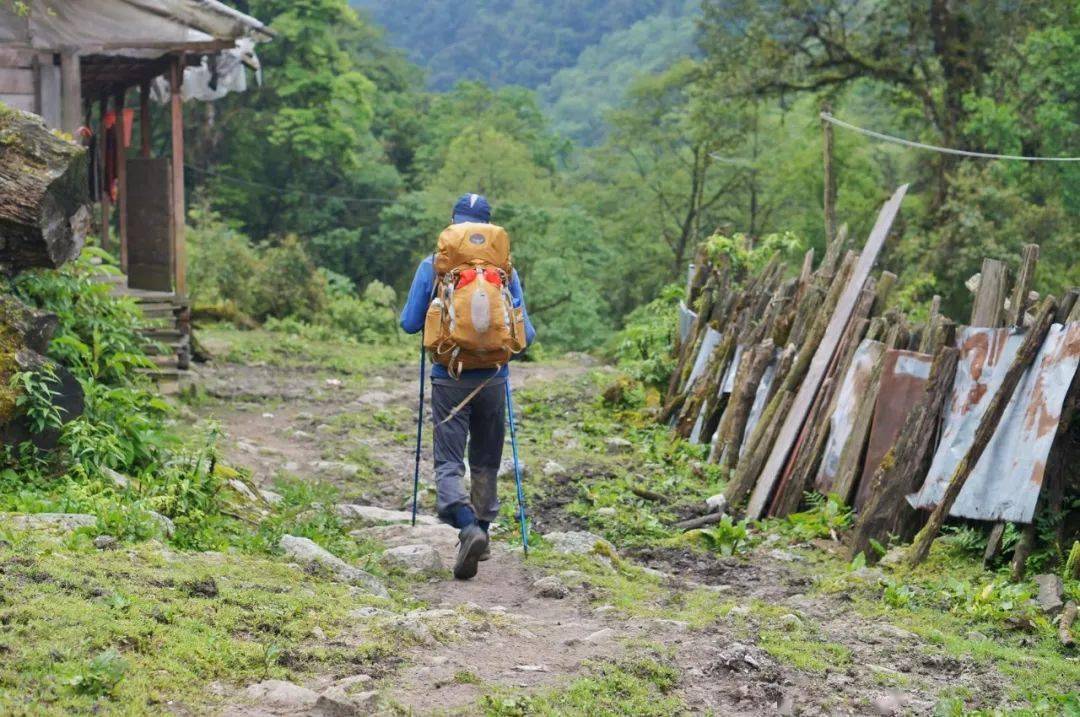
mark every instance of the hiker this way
{"type": "Point", "coordinates": [468, 273]}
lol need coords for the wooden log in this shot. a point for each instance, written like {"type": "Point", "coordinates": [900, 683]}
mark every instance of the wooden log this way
{"type": "Point", "coordinates": [646, 494]}
{"type": "Point", "coordinates": [830, 176]}
{"type": "Point", "coordinates": [694, 523]}
{"type": "Point", "coordinates": [853, 453]}
{"type": "Point", "coordinates": [985, 431]}
{"type": "Point", "coordinates": [1068, 617]}
{"type": "Point", "coordinates": [990, 297]}
{"type": "Point", "coordinates": [733, 423]}
{"type": "Point", "coordinates": [44, 215]}
{"type": "Point", "coordinates": [1067, 304]}
{"type": "Point", "coordinates": [886, 508]}
{"type": "Point", "coordinates": [931, 324]}
{"type": "Point", "coordinates": [758, 448]}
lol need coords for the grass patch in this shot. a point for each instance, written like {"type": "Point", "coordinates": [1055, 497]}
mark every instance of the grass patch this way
{"type": "Point", "coordinates": [119, 631]}
{"type": "Point", "coordinates": [639, 686]}
{"type": "Point", "coordinates": [287, 350]}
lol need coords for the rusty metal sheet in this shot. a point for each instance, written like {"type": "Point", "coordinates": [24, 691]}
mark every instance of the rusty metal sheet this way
{"type": "Point", "coordinates": [686, 320]}
{"type": "Point", "coordinates": [903, 378]}
{"type": "Point", "coordinates": [1007, 480]}
{"type": "Point", "coordinates": [842, 419]}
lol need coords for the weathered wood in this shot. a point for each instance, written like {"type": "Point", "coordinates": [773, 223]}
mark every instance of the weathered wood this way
{"type": "Point", "coordinates": [105, 200]}
{"type": "Point", "coordinates": [990, 297]}
{"type": "Point", "coordinates": [1024, 356]}
{"type": "Point", "coordinates": [1018, 300]}
{"type": "Point", "coordinates": [1068, 617]}
{"type": "Point", "coordinates": [43, 194]}
{"type": "Point", "coordinates": [694, 523]}
{"type": "Point", "coordinates": [815, 373]}
{"type": "Point", "coordinates": [176, 78]}
{"type": "Point", "coordinates": [1068, 302]}
{"type": "Point", "coordinates": [70, 91]}
{"type": "Point", "coordinates": [807, 266]}
{"type": "Point", "coordinates": [121, 172]}
{"type": "Point", "coordinates": [931, 324]}
{"type": "Point", "coordinates": [646, 494]}
{"type": "Point", "coordinates": [993, 543]}
{"type": "Point", "coordinates": [758, 447]}
{"type": "Point", "coordinates": [733, 423]}
{"type": "Point", "coordinates": [886, 509]}
{"type": "Point", "coordinates": [830, 177]}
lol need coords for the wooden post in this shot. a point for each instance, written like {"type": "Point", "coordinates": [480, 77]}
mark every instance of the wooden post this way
{"type": "Point", "coordinates": [830, 177]}
{"type": "Point", "coordinates": [176, 78]}
{"type": "Point", "coordinates": [70, 91]}
{"type": "Point", "coordinates": [985, 431]}
{"type": "Point", "coordinates": [144, 120]}
{"type": "Point", "coordinates": [121, 174]}
{"type": "Point", "coordinates": [106, 196]}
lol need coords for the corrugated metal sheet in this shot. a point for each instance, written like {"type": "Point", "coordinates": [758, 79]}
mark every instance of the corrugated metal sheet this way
{"type": "Point", "coordinates": [686, 320]}
{"type": "Point", "coordinates": [726, 387]}
{"type": "Point", "coordinates": [760, 396]}
{"type": "Point", "coordinates": [903, 378]}
{"type": "Point", "coordinates": [1007, 480]}
{"type": "Point", "coordinates": [847, 403]}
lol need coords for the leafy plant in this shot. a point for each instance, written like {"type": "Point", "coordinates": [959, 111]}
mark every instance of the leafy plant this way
{"type": "Point", "coordinates": [727, 537]}
{"type": "Point", "coordinates": [826, 516]}
{"type": "Point", "coordinates": [100, 676]}
{"type": "Point", "coordinates": [36, 397]}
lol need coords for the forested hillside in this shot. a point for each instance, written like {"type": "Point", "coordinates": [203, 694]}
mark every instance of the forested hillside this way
{"type": "Point", "coordinates": [510, 42]}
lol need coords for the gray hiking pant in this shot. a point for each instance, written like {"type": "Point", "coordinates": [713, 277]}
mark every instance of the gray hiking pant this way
{"type": "Point", "coordinates": [480, 423]}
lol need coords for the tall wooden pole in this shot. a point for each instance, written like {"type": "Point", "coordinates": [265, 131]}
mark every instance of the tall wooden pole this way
{"type": "Point", "coordinates": [144, 120]}
{"type": "Point", "coordinates": [106, 189]}
{"type": "Point", "coordinates": [176, 78]}
{"type": "Point", "coordinates": [830, 177]}
{"type": "Point", "coordinates": [121, 174]}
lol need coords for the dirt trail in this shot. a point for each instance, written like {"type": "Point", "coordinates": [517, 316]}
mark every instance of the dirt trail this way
{"type": "Point", "coordinates": [305, 423]}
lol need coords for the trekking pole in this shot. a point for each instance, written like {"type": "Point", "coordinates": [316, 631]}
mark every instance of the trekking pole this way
{"type": "Point", "coordinates": [517, 469]}
{"type": "Point", "coordinates": [419, 430]}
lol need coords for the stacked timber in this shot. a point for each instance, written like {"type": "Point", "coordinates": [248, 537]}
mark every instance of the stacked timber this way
{"type": "Point", "coordinates": [813, 383]}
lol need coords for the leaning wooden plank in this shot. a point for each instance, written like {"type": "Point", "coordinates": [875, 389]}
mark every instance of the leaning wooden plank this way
{"type": "Point", "coordinates": [758, 448]}
{"type": "Point", "coordinates": [1028, 350]}
{"type": "Point", "coordinates": [733, 423]}
{"type": "Point", "coordinates": [990, 294]}
{"type": "Point", "coordinates": [1068, 617]}
{"type": "Point", "coordinates": [833, 332]}
{"type": "Point", "coordinates": [904, 464]}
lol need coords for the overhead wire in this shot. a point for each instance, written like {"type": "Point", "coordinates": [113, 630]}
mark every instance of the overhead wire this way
{"type": "Point", "coordinates": [283, 192]}
{"type": "Point", "coordinates": [934, 148]}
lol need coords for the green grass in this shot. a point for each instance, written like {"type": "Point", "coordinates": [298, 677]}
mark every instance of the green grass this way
{"type": "Point", "coordinates": [118, 632]}
{"type": "Point", "coordinates": [290, 351]}
{"type": "Point", "coordinates": [642, 686]}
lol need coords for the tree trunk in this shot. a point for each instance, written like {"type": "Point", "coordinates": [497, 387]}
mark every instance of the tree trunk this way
{"type": "Point", "coordinates": [43, 194]}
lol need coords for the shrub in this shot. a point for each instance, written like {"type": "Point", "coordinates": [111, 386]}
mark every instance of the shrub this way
{"type": "Point", "coordinates": [643, 347]}
{"type": "Point", "coordinates": [288, 284]}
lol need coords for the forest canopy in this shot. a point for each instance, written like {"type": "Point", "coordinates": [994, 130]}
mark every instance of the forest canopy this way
{"type": "Point", "coordinates": [637, 130]}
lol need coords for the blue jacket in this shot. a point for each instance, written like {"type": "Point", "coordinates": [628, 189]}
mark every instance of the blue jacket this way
{"type": "Point", "coordinates": [416, 306]}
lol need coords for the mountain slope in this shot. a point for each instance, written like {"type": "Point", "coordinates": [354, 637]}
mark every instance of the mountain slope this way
{"type": "Point", "coordinates": [500, 42]}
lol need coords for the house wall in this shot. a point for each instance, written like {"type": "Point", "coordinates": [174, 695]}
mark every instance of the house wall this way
{"type": "Point", "coordinates": [30, 81]}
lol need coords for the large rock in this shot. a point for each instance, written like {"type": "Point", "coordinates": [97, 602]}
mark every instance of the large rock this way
{"type": "Point", "coordinates": [1050, 588]}
{"type": "Point", "coordinates": [375, 515]}
{"type": "Point", "coordinates": [580, 542]}
{"type": "Point", "coordinates": [62, 522]}
{"type": "Point", "coordinates": [337, 702]}
{"type": "Point", "coordinates": [307, 553]}
{"type": "Point", "coordinates": [281, 697]}
{"type": "Point", "coordinates": [413, 559]}
{"type": "Point", "coordinates": [439, 535]}
{"type": "Point", "coordinates": [618, 444]}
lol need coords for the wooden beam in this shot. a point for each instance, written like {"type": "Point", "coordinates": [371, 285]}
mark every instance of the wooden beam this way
{"type": "Point", "coordinates": [121, 171]}
{"type": "Point", "coordinates": [830, 177]}
{"type": "Point", "coordinates": [789, 432]}
{"type": "Point", "coordinates": [144, 119]}
{"type": "Point", "coordinates": [990, 298]}
{"type": "Point", "coordinates": [70, 91]}
{"type": "Point", "coordinates": [106, 197]}
{"type": "Point", "coordinates": [176, 78]}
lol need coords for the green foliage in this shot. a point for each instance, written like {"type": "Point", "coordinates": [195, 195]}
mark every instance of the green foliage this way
{"type": "Point", "coordinates": [826, 517]}
{"type": "Point", "coordinates": [36, 398]}
{"type": "Point", "coordinates": [100, 675]}
{"type": "Point", "coordinates": [727, 537]}
{"type": "Point", "coordinates": [644, 346]}
{"type": "Point", "coordinates": [523, 42]}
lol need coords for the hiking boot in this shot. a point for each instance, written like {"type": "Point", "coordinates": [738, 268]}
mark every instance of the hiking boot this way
{"type": "Point", "coordinates": [486, 555]}
{"type": "Point", "coordinates": [473, 542]}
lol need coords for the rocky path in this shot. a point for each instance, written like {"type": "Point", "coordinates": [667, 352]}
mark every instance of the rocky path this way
{"type": "Point", "coordinates": [517, 628]}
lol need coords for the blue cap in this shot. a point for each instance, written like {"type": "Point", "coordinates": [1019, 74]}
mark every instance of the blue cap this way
{"type": "Point", "coordinates": [472, 208]}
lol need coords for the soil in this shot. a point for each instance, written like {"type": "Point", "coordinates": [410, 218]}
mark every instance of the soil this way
{"type": "Point", "coordinates": [278, 417]}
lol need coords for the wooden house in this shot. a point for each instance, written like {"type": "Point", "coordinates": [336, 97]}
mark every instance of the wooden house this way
{"type": "Point", "coordinates": [90, 68]}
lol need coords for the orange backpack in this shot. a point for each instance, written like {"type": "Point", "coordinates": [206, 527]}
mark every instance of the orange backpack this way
{"type": "Point", "coordinates": [471, 321]}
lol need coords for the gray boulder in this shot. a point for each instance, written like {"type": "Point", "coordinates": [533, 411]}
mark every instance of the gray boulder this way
{"type": "Point", "coordinates": [281, 696]}
{"type": "Point", "coordinates": [376, 515]}
{"type": "Point", "coordinates": [550, 587]}
{"type": "Point", "coordinates": [61, 522]}
{"type": "Point", "coordinates": [413, 559]}
{"type": "Point", "coordinates": [1050, 588]}
{"type": "Point", "coordinates": [307, 553]}
{"type": "Point", "coordinates": [579, 542]}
